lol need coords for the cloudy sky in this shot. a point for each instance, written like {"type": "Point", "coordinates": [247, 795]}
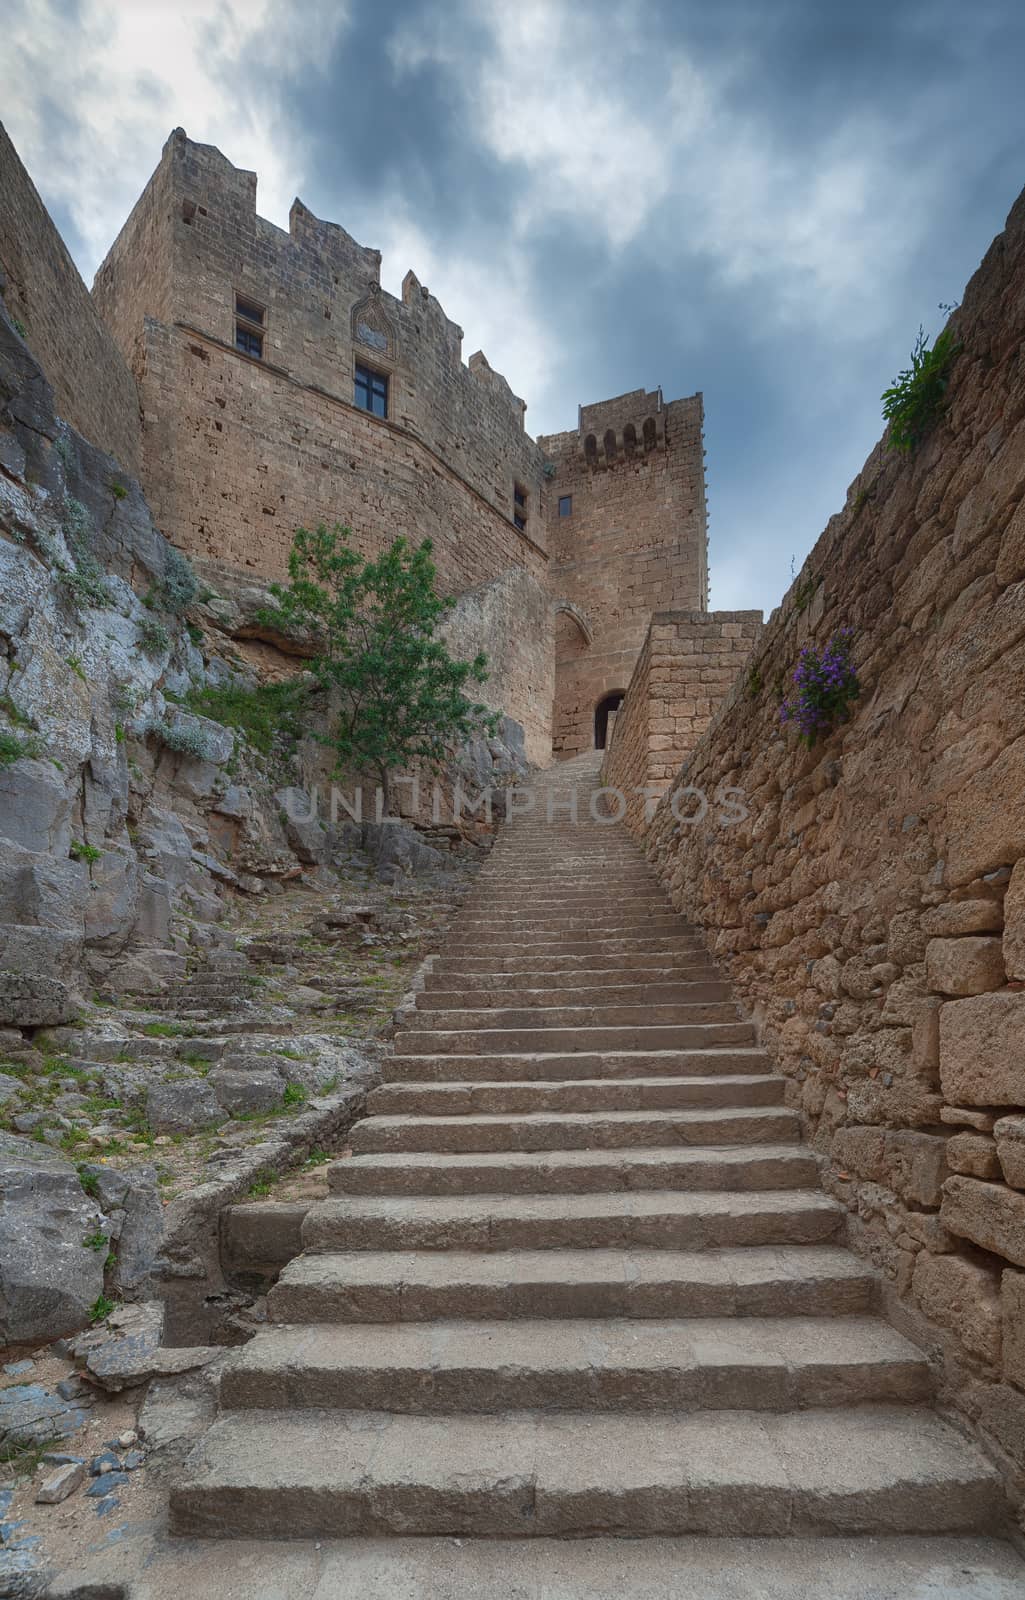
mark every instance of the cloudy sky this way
{"type": "Point", "coordinates": [761, 199]}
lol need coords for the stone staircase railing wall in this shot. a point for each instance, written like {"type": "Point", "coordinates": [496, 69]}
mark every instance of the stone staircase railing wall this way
{"type": "Point", "coordinates": [871, 908]}
{"type": "Point", "coordinates": [688, 663]}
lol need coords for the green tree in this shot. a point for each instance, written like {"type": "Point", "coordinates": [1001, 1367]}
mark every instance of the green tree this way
{"type": "Point", "coordinates": [400, 696]}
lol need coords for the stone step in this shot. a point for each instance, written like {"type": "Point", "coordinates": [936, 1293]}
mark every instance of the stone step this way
{"type": "Point", "coordinates": [754, 1363]}
{"type": "Point", "coordinates": [577, 1130]}
{"type": "Point", "coordinates": [425, 1286]}
{"type": "Point", "coordinates": [580, 943]}
{"type": "Point", "coordinates": [576, 1094]}
{"type": "Point", "coordinates": [477, 997]}
{"type": "Point", "coordinates": [614, 922]}
{"type": "Point", "coordinates": [554, 1016]}
{"type": "Point", "coordinates": [734, 1168]}
{"type": "Point", "coordinates": [871, 1469]}
{"type": "Point", "coordinates": [500, 1041]}
{"type": "Point", "coordinates": [576, 1569]}
{"type": "Point", "coordinates": [542, 1066]}
{"type": "Point", "coordinates": [558, 962]}
{"type": "Point", "coordinates": [658, 1218]}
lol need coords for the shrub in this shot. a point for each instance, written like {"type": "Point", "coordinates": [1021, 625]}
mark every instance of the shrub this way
{"type": "Point", "coordinates": [824, 685]}
{"type": "Point", "coordinates": [85, 583]}
{"type": "Point", "coordinates": [259, 714]}
{"type": "Point", "coordinates": [154, 637]}
{"type": "Point", "coordinates": [918, 395]}
{"type": "Point", "coordinates": [118, 490]}
{"type": "Point", "coordinates": [374, 625]}
{"type": "Point", "coordinates": [181, 738]}
{"type": "Point", "coordinates": [84, 852]}
{"type": "Point", "coordinates": [101, 1308]}
{"type": "Point", "coordinates": [15, 747]}
{"type": "Point", "coordinates": [294, 1095]}
{"type": "Point", "coordinates": [180, 586]}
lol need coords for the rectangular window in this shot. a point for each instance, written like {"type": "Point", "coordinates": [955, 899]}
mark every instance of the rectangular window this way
{"type": "Point", "coordinates": [519, 494]}
{"type": "Point", "coordinates": [249, 318]}
{"type": "Point", "coordinates": [371, 390]}
{"type": "Point", "coordinates": [565, 505]}
{"type": "Point", "coordinates": [519, 520]}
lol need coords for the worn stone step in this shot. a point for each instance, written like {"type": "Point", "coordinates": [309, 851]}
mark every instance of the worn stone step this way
{"type": "Point", "coordinates": [501, 1041]}
{"type": "Point", "coordinates": [577, 1130]}
{"type": "Point", "coordinates": [872, 1469]}
{"type": "Point", "coordinates": [614, 922]}
{"type": "Point", "coordinates": [562, 961]}
{"type": "Point", "coordinates": [816, 1280]}
{"type": "Point", "coordinates": [658, 1218]}
{"type": "Point", "coordinates": [553, 1016]}
{"type": "Point", "coordinates": [575, 1094]}
{"type": "Point", "coordinates": [477, 997]}
{"type": "Point", "coordinates": [734, 1168]}
{"type": "Point", "coordinates": [551, 972]}
{"type": "Point", "coordinates": [544, 1065]}
{"type": "Point", "coordinates": [753, 1363]}
{"type": "Point", "coordinates": [582, 942]}
{"type": "Point", "coordinates": [688, 1568]}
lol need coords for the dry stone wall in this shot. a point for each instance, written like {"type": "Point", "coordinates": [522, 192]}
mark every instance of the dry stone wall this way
{"type": "Point", "coordinates": [93, 386]}
{"type": "Point", "coordinates": [871, 908]}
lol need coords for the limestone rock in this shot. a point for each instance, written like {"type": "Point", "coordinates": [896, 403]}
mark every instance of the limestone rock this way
{"type": "Point", "coordinates": [61, 1484]}
{"type": "Point", "coordinates": [964, 1297]}
{"type": "Point", "coordinates": [1014, 929]}
{"type": "Point", "coordinates": [185, 1105]}
{"type": "Point", "coordinates": [396, 844]}
{"type": "Point", "coordinates": [967, 966]}
{"type": "Point", "coordinates": [35, 809]}
{"type": "Point", "coordinates": [1010, 1138]}
{"type": "Point", "coordinates": [1012, 1304]}
{"type": "Point", "coordinates": [956, 917]}
{"type": "Point", "coordinates": [974, 1155]}
{"type": "Point", "coordinates": [35, 1001]}
{"type": "Point", "coordinates": [257, 1090]}
{"type": "Point", "coordinates": [48, 1277]}
{"type": "Point", "coordinates": [982, 1050]}
{"type": "Point", "coordinates": [987, 1213]}
{"type": "Point", "coordinates": [126, 1350]}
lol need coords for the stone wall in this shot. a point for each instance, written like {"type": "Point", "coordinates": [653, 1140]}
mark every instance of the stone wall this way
{"type": "Point", "coordinates": [634, 542]}
{"type": "Point", "coordinates": [93, 386]}
{"type": "Point", "coordinates": [511, 621]}
{"type": "Point", "coordinates": [689, 661]}
{"type": "Point", "coordinates": [871, 909]}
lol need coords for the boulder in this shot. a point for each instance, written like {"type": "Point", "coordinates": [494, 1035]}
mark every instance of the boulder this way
{"type": "Point", "coordinates": [33, 1001]}
{"type": "Point", "coordinates": [141, 1232]}
{"type": "Point", "coordinates": [111, 907]}
{"type": "Point", "coordinates": [185, 1105]}
{"type": "Point", "coordinates": [165, 846]}
{"type": "Point", "coordinates": [31, 950]}
{"type": "Point", "coordinates": [972, 965]}
{"type": "Point", "coordinates": [245, 1091]}
{"type": "Point", "coordinates": [395, 844]}
{"type": "Point", "coordinates": [48, 1277]}
{"type": "Point", "coordinates": [982, 1050]}
{"type": "Point", "coordinates": [306, 834]}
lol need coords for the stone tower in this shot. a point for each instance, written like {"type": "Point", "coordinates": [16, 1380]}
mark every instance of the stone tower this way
{"type": "Point", "coordinates": [628, 537]}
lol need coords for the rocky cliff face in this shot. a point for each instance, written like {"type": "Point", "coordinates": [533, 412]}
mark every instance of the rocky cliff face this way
{"type": "Point", "coordinates": [133, 835]}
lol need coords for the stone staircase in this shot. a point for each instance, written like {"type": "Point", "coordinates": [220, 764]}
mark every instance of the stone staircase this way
{"type": "Point", "coordinates": [576, 1278]}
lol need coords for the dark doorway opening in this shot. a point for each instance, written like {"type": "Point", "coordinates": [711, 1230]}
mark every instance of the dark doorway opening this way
{"type": "Point", "coordinates": [602, 710]}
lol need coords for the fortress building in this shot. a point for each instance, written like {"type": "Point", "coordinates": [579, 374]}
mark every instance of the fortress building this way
{"type": "Point", "coordinates": [257, 380]}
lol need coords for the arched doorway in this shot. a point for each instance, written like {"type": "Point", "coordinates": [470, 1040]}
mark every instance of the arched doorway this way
{"type": "Point", "coordinates": [602, 712]}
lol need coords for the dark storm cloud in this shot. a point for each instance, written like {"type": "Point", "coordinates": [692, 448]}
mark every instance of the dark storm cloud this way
{"type": "Point", "coordinates": [760, 199]}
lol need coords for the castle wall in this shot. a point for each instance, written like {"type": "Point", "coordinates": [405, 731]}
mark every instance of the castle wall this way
{"type": "Point", "coordinates": [93, 386]}
{"type": "Point", "coordinates": [633, 543]}
{"type": "Point", "coordinates": [871, 909]}
{"type": "Point", "coordinates": [239, 451]}
{"type": "Point", "coordinates": [689, 662]}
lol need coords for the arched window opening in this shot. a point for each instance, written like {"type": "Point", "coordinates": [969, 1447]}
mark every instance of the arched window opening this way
{"type": "Point", "coordinates": [629, 439]}
{"type": "Point", "coordinates": [649, 434]}
{"type": "Point", "coordinates": [611, 448]}
{"type": "Point", "coordinates": [602, 711]}
{"type": "Point", "coordinates": [591, 449]}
